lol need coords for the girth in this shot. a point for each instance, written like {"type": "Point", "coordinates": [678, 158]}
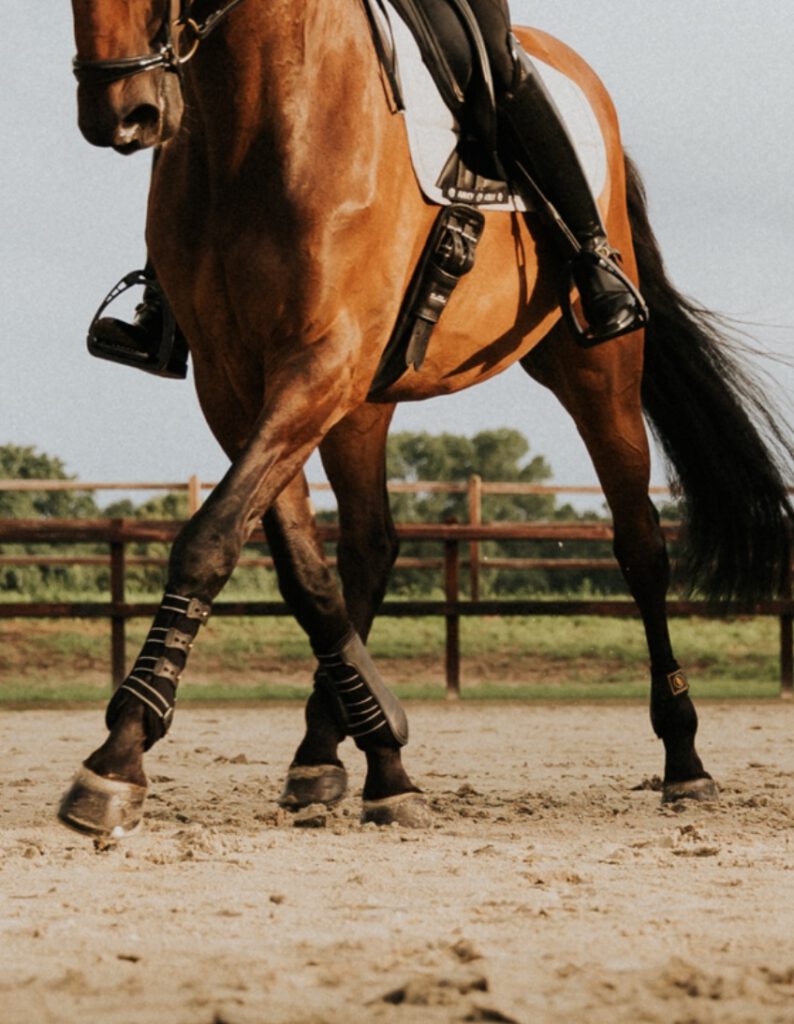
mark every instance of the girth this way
{"type": "Point", "coordinates": [448, 255]}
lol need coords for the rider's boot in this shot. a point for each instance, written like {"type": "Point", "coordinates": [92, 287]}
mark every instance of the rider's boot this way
{"type": "Point", "coordinates": [152, 342]}
{"type": "Point", "coordinates": [537, 148]}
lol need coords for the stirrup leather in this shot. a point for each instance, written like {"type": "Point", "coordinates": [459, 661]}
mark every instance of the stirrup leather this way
{"type": "Point", "coordinates": [169, 359]}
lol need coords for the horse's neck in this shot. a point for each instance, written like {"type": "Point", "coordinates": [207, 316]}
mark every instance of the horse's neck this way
{"type": "Point", "coordinates": [287, 83]}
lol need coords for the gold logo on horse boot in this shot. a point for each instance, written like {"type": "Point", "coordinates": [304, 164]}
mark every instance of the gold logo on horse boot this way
{"type": "Point", "coordinates": [678, 683]}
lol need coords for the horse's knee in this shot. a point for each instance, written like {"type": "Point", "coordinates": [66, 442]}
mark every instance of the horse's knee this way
{"type": "Point", "coordinates": [203, 557]}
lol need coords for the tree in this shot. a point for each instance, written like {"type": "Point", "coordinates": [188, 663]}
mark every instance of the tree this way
{"type": "Point", "coordinates": [150, 579]}
{"type": "Point", "coordinates": [499, 455]}
{"type": "Point", "coordinates": [18, 463]}
{"type": "Point", "coordinates": [25, 463]}
{"type": "Point", "coordinates": [171, 505]}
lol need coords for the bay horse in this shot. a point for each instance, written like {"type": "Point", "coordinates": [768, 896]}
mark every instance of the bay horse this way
{"type": "Point", "coordinates": [284, 223]}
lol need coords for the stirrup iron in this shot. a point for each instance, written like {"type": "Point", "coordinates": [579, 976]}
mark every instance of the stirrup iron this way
{"type": "Point", "coordinates": [170, 357]}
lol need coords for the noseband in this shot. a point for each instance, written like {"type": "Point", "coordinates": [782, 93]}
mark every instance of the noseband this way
{"type": "Point", "coordinates": [167, 56]}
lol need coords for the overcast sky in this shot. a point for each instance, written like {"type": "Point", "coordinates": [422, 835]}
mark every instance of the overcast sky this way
{"type": "Point", "coordinates": [704, 89]}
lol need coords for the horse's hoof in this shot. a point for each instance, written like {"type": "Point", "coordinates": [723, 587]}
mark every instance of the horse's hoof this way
{"type": "Point", "coordinates": [692, 789]}
{"type": "Point", "coordinates": [411, 810]}
{"type": "Point", "coordinates": [313, 784]}
{"type": "Point", "coordinates": [102, 807]}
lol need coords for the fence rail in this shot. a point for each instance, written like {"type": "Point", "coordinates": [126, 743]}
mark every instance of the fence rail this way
{"type": "Point", "coordinates": [475, 487]}
{"type": "Point", "coordinates": [117, 533]}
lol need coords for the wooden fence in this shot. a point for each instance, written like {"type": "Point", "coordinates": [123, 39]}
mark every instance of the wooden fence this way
{"type": "Point", "coordinates": [118, 533]}
{"type": "Point", "coordinates": [195, 487]}
{"type": "Point", "coordinates": [475, 488]}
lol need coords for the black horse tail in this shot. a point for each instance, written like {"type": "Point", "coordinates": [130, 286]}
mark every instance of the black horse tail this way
{"type": "Point", "coordinates": [728, 451]}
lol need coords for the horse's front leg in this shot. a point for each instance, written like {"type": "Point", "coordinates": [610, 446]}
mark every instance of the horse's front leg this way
{"type": "Point", "coordinates": [316, 775]}
{"type": "Point", "coordinates": [353, 454]}
{"type": "Point", "coordinates": [107, 795]}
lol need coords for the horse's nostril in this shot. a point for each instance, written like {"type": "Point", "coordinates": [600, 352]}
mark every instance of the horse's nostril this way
{"type": "Point", "coordinates": [145, 115]}
{"type": "Point", "coordinates": [137, 129]}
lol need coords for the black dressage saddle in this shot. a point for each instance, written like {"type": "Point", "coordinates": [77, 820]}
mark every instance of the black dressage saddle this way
{"type": "Point", "coordinates": [454, 53]}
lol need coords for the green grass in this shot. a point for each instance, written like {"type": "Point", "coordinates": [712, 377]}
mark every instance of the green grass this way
{"type": "Point", "coordinates": [534, 658]}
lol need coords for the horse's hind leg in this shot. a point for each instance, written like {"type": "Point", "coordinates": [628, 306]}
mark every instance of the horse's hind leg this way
{"type": "Point", "coordinates": [354, 460]}
{"type": "Point", "coordinates": [600, 388]}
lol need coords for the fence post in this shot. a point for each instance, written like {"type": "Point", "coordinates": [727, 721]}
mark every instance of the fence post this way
{"type": "Point", "coordinates": [475, 518]}
{"type": "Point", "coordinates": [193, 494]}
{"type": "Point", "coordinates": [117, 620]}
{"type": "Point", "coordinates": [787, 639]}
{"type": "Point", "coordinates": [451, 616]}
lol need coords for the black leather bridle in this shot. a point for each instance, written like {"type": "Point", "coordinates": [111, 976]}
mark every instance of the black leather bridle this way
{"type": "Point", "coordinates": [166, 56]}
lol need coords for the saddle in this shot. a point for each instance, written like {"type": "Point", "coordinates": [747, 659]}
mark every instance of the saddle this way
{"type": "Point", "coordinates": [453, 54]}
{"type": "Point", "coordinates": [460, 69]}
{"type": "Point", "coordinates": [440, 81]}
{"type": "Point", "coordinates": [443, 90]}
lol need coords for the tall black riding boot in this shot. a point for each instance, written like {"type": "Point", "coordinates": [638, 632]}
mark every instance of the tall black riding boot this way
{"type": "Point", "coordinates": [539, 152]}
{"type": "Point", "coordinates": [152, 342]}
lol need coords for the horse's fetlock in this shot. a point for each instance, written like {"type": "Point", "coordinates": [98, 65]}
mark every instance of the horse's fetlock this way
{"type": "Point", "coordinates": [673, 717]}
{"type": "Point", "coordinates": [121, 755]}
{"type": "Point", "coordinates": [386, 775]}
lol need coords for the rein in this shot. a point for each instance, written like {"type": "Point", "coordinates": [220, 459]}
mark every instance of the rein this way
{"type": "Point", "coordinates": [168, 57]}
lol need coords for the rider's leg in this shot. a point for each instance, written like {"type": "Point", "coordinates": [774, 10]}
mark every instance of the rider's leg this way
{"type": "Point", "coordinates": [536, 144]}
{"type": "Point", "coordinates": [534, 139]}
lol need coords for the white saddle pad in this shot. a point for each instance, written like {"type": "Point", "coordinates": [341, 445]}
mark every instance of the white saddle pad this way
{"type": "Point", "coordinates": [433, 131]}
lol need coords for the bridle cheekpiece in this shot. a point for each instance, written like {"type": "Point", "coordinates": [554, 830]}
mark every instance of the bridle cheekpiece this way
{"type": "Point", "coordinates": [167, 56]}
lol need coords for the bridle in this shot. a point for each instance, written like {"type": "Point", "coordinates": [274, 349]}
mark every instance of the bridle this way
{"type": "Point", "coordinates": [167, 54]}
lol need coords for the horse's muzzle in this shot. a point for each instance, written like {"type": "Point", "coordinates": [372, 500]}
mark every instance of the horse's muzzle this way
{"type": "Point", "coordinates": [130, 115]}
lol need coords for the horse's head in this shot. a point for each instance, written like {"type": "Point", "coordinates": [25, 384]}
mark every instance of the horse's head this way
{"type": "Point", "coordinates": [129, 55]}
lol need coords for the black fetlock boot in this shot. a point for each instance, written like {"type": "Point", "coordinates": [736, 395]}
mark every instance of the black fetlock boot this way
{"type": "Point", "coordinates": [152, 342]}
{"type": "Point", "coordinates": [541, 157]}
